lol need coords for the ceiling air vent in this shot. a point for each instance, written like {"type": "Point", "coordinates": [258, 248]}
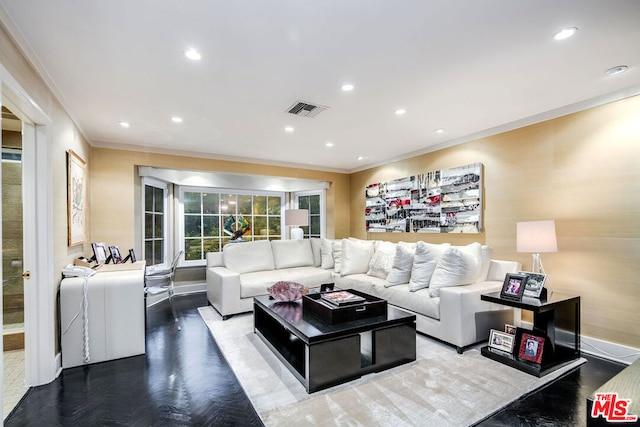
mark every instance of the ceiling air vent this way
{"type": "Point", "coordinates": [306, 109]}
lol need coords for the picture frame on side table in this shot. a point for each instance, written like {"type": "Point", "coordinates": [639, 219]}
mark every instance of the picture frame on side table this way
{"type": "Point", "coordinates": [501, 340]}
{"type": "Point", "coordinates": [509, 329]}
{"type": "Point", "coordinates": [531, 348]}
{"type": "Point", "coordinates": [99, 252]}
{"type": "Point", "coordinates": [116, 257]}
{"type": "Point", "coordinates": [513, 287]}
{"type": "Point", "coordinates": [535, 284]}
{"type": "Point", "coordinates": [76, 199]}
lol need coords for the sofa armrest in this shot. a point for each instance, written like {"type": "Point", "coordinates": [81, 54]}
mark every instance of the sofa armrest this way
{"type": "Point", "coordinates": [460, 309]}
{"type": "Point", "coordinates": [223, 290]}
{"type": "Point", "coordinates": [499, 269]}
{"type": "Point", "coordinates": [214, 259]}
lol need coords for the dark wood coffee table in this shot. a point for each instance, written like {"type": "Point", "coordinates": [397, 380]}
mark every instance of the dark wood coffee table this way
{"type": "Point", "coordinates": [321, 355]}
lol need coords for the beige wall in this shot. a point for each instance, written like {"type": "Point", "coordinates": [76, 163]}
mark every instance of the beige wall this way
{"type": "Point", "coordinates": [114, 180]}
{"type": "Point", "coordinates": [581, 170]}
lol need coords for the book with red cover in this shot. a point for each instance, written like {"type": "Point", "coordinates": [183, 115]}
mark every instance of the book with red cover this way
{"type": "Point", "coordinates": [341, 298]}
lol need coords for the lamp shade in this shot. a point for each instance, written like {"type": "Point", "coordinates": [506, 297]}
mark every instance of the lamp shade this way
{"type": "Point", "coordinates": [537, 236]}
{"type": "Point", "coordinates": [299, 217]}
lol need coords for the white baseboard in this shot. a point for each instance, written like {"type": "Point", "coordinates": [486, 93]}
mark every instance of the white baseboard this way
{"type": "Point", "coordinates": [604, 349]}
{"type": "Point", "coordinates": [178, 290]}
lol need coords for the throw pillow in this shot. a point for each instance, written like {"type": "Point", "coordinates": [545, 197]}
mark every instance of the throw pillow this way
{"type": "Point", "coordinates": [401, 270]}
{"type": "Point", "coordinates": [326, 254]}
{"type": "Point", "coordinates": [356, 255]}
{"type": "Point", "coordinates": [456, 267]}
{"type": "Point", "coordinates": [424, 263]}
{"type": "Point", "coordinates": [382, 260]}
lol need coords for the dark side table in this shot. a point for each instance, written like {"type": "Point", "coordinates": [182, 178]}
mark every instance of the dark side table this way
{"type": "Point", "coordinates": [557, 317]}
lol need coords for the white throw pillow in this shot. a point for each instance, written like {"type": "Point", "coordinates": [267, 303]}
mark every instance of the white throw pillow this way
{"type": "Point", "coordinates": [424, 263]}
{"type": "Point", "coordinates": [457, 267]}
{"type": "Point", "coordinates": [402, 263]}
{"type": "Point", "coordinates": [336, 247]}
{"type": "Point", "coordinates": [326, 254]}
{"type": "Point", "coordinates": [356, 255]}
{"type": "Point", "coordinates": [316, 248]}
{"type": "Point", "coordinates": [382, 260]}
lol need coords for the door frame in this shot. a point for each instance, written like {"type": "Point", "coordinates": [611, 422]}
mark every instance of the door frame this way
{"type": "Point", "coordinates": [38, 247]}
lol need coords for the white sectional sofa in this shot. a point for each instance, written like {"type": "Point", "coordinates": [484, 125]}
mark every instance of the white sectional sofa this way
{"type": "Point", "coordinates": [441, 284]}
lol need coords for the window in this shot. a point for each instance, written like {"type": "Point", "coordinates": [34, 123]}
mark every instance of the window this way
{"type": "Point", "coordinates": [314, 203]}
{"type": "Point", "coordinates": [155, 222]}
{"type": "Point", "coordinates": [210, 218]}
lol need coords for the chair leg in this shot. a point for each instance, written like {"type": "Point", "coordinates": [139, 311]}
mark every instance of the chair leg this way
{"type": "Point", "coordinates": [173, 309]}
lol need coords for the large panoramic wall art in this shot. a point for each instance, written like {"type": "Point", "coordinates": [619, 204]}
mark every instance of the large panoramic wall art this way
{"type": "Point", "coordinates": [444, 201]}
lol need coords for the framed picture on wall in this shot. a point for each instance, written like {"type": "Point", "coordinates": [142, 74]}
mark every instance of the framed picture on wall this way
{"type": "Point", "coordinates": [76, 199]}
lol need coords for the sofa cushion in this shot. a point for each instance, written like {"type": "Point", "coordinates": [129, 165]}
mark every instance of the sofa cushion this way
{"type": "Point", "coordinates": [247, 257]}
{"type": "Point", "coordinates": [359, 282]}
{"type": "Point", "coordinates": [326, 254]}
{"type": "Point", "coordinates": [292, 253]}
{"type": "Point", "coordinates": [256, 283]}
{"type": "Point", "coordinates": [402, 263]}
{"type": "Point", "coordinates": [356, 255]}
{"type": "Point", "coordinates": [419, 301]}
{"type": "Point", "coordinates": [424, 263]}
{"type": "Point", "coordinates": [382, 260]}
{"type": "Point", "coordinates": [458, 266]}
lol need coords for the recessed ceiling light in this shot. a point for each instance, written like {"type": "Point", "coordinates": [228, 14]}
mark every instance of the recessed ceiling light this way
{"type": "Point", "coordinates": [439, 130]}
{"type": "Point", "coordinates": [329, 144]}
{"type": "Point", "coordinates": [124, 124]}
{"type": "Point", "coordinates": [360, 158]}
{"type": "Point", "coordinates": [565, 33]}
{"type": "Point", "coordinates": [176, 119]}
{"type": "Point", "coordinates": [193, 54]}
{"type": "Point", "coordinates": [400, 111]}
{"type": "Point", "coordinates": [347, 87]}
{"type": "Point", "coordinates": [288, 129]}
{"type": "Point", "coordinates": [616, 70]}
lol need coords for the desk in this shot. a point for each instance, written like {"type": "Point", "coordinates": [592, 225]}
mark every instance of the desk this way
{"type": "Point", "coordinates": [116, 315]}
{"type": "Point", "coordinates": [558, 318]}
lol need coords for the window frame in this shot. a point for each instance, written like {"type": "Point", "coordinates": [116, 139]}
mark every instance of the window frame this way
{"type": "Point", "coordinates": [323, 211]}
{"type": "Point", "coordinates": [180, 214]}
{"type": "Point", "coordinates": [167, 232]}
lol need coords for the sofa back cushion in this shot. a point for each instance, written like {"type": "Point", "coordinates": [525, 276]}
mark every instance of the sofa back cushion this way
{"type": "Point", "coordinates": [458, 266]}
{"type": "Point", "coordinates": [326, 254]}
{"type": "Point", "coordinates": [485, 262]}
{"type": "Point", "coordinates": [356, 255]}
{"type": "Point", "coordinates": [247, 257]}
{"type": "Point", "coordinates": [316, 244]}
{"type": "Point", "coordinates": [292, 253]}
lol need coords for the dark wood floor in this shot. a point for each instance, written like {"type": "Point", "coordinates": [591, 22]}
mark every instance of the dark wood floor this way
{"type": "Point", "coordinates": [183, 380]}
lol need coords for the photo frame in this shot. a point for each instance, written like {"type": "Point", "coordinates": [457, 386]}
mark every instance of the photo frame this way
{"type": "Point", "coordinates": [76, 199]}
{"type": "Point", "coordinates": [535, 284]}
{"type": "Point", "coordinates": [513, 287]}
{"type": "Point", "coordinates": [116, 257]}
{"type": "Point", "coordinates": [501, 340]}
{"type": "Point", "coordinates": [510, 329]}
{"type": "Point", "coordinates": [99, 252]}
{"type": "Point", "coordinates": [531, 348]}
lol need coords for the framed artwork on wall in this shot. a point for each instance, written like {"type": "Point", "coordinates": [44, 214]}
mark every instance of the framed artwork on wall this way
{"type": "Point", "coordinates": [442, 201]}
{"type": "Point", "coordinates": [76, 199]}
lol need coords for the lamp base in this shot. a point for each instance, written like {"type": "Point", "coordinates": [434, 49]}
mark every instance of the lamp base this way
{"type": "Point", "coordinates": [297, 233]}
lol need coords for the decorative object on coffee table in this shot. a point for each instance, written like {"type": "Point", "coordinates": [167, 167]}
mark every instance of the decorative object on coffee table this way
{"type": "Point", "coordinates": [287, 291]}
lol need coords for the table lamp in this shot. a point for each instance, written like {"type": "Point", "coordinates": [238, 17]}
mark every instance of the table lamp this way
{"type": "Point", "coordinates": [537, 237]}
{"type": "Point", "coordinates": [296, 218]}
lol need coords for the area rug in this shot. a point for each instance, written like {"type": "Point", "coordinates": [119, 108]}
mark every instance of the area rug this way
{"type": "Point", "coordinates": [440, 388]}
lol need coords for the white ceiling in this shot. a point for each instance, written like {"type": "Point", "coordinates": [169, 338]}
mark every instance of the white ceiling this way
{"type": "Point", "coordinates": [471, 67]}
